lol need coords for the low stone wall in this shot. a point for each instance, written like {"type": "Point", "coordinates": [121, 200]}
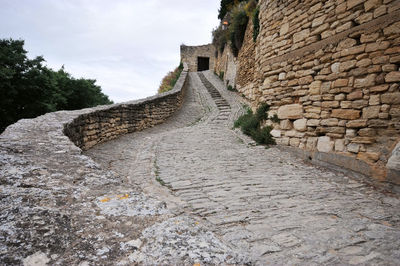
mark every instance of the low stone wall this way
{"type": "Point", "coordinates": [102, 124]}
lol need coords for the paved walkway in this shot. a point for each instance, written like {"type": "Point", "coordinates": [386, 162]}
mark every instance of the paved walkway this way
{"type": "Point", "coordinates": [243, 204]}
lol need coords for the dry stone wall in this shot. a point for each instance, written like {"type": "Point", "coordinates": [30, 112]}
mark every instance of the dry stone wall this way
{"type": "Point", "coordinates": [330, 71]}
{"type": "Point", "coordinates": [104, 124]}
{"type": "Point", "coordinates": [246, 60]}
{"type": "Point", "coordinates": [189, 55]}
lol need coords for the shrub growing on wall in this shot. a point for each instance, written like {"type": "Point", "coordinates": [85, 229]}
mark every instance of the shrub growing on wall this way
{"type": "Point", "coordinates": [220, 38]}
{"type": "Point", "coordinates": [237, 29]}
{"type": "Point", "coordinates": [256, 23]}
{"type": "Point", "coordinates": [169, 81]}
{"type": "Point", "coordinates": [250, 124]}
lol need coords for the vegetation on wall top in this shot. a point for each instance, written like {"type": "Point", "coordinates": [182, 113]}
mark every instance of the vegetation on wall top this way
{"type": "Point", "coordinates": [239, 14]}
{"type": "Point", "coordinates": [169, 81]}
{"type": "Point", "coordinates": [29, 89]}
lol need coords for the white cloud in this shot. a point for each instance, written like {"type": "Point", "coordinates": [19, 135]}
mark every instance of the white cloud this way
{"type": "Point", "coordinates": [126, 45]}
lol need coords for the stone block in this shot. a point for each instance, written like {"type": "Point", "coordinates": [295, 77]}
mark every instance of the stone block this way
{"type": "Point", "coordinates": [392, 29]}
{"type": "Point", "coordinates": [353, 147]}
{"type": "Point", "coordinates": [380, 11]}
{"type": "Point", "coordinates": [325, 144]}
{"type": "Point", "coordinates": [365, 82]}
{"type": "Point", "coordinates": [311, 143]}
{"type": "Point", "coordinates": [335, 68]}
{"type": "Point", "coordinates": [353, 3]}
{"type": "Point", "coordinates": [349, 114]}
{"type": "Point", "coordinates": [300, 124]}
{"type": "Point", "coordinates": [379, 88]}
{"type": "Point", "coordinates": [345, 66]}
{"type": "Point", "coordinates": [393, 76]}
{"type": "Point", "coordinates": [391, 98]}
{"type": "Point", "coordinates": [377, 123]}
{"type": "Point", "coordinates": [276, 133]}
{"type": "Point", "coordinates": [369, 156]}
{"type": "Point", "coordinates": [364, 62]}
{"type": "Point", "coordinates": [367, 132]}
{"type": "Point", "coordinates": [318, 21]}
{"type": "Point", "coordinates": [356, 123]}
{"type": "Point", "coordinates": [340, 83]}
{"type": "Point", "coordinates": [359, 104]}
{"type": "Point", "coordinates": [300, 36]}
{"type": "Point", "coordinates": [340, 97]}
{"type": "Point", "coordinates": [372, 47]}
{"type": "Point", "coordinates": [345, 26]}
{"type": "Point", "coordinates": [365, 38]}
{"type": "Point", "coordinates": [313, 122]}
{"type": "Point", "coordinates": [330, 104]}
{"type": "Point", "coordinates": [340, 145]}
{"type": "Point", "coordinates": [374, 99]}
{"type": "Point", "coordinates": [306, 80]}
{"type": "Point", "coordinates": [389, 67]}
{"type": "Point", "coordinates": [371, 4]}
{"type": "Point", "coordinates": [370, 112]}
{"type": "Point", "coordinates": [286, 124]}
{"type": "Point", "coordinates": [329, 122]}
{"type": "Point", "coordinates": [315, 87]}
{"type": "Point", "coordinates": [294, 142]}
{"type": "Point", "coordinates": [290, 111]}
{"type": "Point", "coordinates": [284, 29]}
{"type": "Point", "coordinates": [363, 140]}
{"type": "Point", "coordinates": [355, 95]}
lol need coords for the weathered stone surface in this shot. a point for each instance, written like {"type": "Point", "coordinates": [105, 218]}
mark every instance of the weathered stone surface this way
{"type": "Point", "coordinates": [299, 36]}
{"type": "Point", "coordinates": [284, 29]}
{"type": "Point", "coordinates": [392, 29]}
{"type": "Point", "coordinates": [353, 3]}
{"type": "Point", "coordinates": [290, 111]}
{"type": "Point", "coordinates": [286, 124]}
{"type": "Point", "coordinates": [356, 123]}
{"type": "Point", "coordinates": [325, 144]}
{"type": "Point", "coordinates": [357, 94]}
{"type": "Point", "coordinates": [300, 124]}
{"type": "Point", "coordinates": [340, 145]}
{"type": "Point", "coordinates": [364, 140]}
{"type": "Point", "coordinates": [315, 87]}
{"type": "Point", "coordinates": [365, 82]}
{"type": "Point", "coordinates": [391, 98]}
{"type": "Point", "coordinates": [393, 76]}
{"type": "Point", "coordinates": [379, 88]}
{"type": "Point", "coordinates": [370, 112]}
{"type": "Point", "coordinates": [346, 114]}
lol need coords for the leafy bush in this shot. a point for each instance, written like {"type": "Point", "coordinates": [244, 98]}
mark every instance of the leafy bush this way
{"type": "Point", "coordinates": [230, 88]}
{"type": "Point", "coordinates": [256, 23]}
{"type": "Point", "coordinates": [237, 29]}
{"type": "Point", "coordinates": [220, 38]}
{"type": "Point", "coordinates": [169, 81]}
{"type": "Point", "coordinates": [250, 124]}
{"type": "Point", "coordinates": [221, 75]}
{"type": "Point", "coordinates": [275, 118]}
{"type": "Point", "coordinates": [226, 6]}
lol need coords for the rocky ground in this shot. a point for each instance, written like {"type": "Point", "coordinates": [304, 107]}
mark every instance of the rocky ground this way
{"type": "Point", "coordinates": [216, 198]}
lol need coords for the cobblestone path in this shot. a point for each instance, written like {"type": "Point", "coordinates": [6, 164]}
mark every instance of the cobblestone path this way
{"type": "Point", "coordinates": [264, 204]}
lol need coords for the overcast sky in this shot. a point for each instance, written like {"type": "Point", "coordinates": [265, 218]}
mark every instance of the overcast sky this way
{"type": "Point", "coordinates": [126, 45]}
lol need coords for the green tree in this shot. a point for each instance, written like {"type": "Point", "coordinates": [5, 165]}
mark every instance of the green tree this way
{"type": "Point", "coordinates": [29, 89]}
